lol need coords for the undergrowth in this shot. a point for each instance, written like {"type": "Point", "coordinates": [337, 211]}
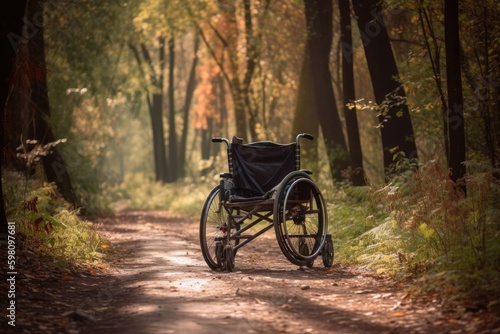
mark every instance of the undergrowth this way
{"type": "Point", "coordinates": [450, 240]}
{"type": "Point", "coordinates": [48, 225]}
{"type": "Point", "coordinates": [426, 228]}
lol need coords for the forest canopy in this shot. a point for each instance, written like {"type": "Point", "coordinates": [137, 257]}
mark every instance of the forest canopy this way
{"type": "Point", "coordinates": [179, 73]}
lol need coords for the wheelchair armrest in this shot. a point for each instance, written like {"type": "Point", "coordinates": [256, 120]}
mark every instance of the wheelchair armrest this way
{"type": "Point", "coordinates": [226, 175]}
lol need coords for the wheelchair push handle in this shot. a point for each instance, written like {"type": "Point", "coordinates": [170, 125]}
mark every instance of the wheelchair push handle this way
{"type": "Point", "coordinates": [304, 135]}
{"type": "Point", "coordinates": [221, 140]}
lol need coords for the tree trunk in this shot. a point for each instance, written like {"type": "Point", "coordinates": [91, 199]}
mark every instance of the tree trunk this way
{"type": "Point", "coordinates": [156, 114]}
{"type": "Point", "coordinates": [305, 118]}
{"type": "Point", "coordinates": [319, 42]}
{"type": "Point", "coordinates": [239, 109]}
{"type": "Point", "coordinates": [155, 107]}
{"type": "Point", "coordinates": [206, 142]}
{"type": "Point", "coordinates": [11, 14]}
{"type": "Point", "coordinates": [351, 119]}
{"type": "Point", "coordinates": [397, 130]}
{"type": "Point", "coordinates": [455, 113]}
{"type": "Point", "coordinates": [172, 133]}
{"type": "Point", "coordinates": [191, 85]}
{"type": "Point", "coordinates": [250, 64]}
{"type": "Point", "coordinates": [53, 163]}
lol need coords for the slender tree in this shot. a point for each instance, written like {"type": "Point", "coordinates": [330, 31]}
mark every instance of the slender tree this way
{"type": "Point", "coordinates": [396, 129]}
{"type": "Point", "coordinates": [172, 133]}
{"type": "Point", "coordinates": [455, 128]}
{"type": "Point", "coordinates": [190, 87]}
{"type": "Point", "coordinates": [434, 51]}
{"type": "Point", "coordinates": [155, 103]}
{"type": "Point", "coordinates": [351, 119]}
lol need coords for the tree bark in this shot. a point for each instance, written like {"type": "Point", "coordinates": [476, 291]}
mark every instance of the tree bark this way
{"type": "Point", "coordinates": [40, 129]}
{"type": "Point", "coordinates": [305, 118]}
{"type": "Point", "coordinates": [319, 42]}
{"type": "Point", "coordinates": [11, 14]}
{"type": "Point", "coordinates": [159, 149]}
{"type": "Point", "coordinates": [455, 114]}
{"type": "Point", "coordinates": [348, 91]}
{"type": "Point", "coordinates": [239, 108]}
{"type": "Point", "coordinates": [397, 129]}
{"type": "Point", "coordinates": [172, 133]}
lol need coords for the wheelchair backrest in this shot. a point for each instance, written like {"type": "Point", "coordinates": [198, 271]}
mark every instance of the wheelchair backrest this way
{"type": "Point", "coordinates": [258, 167]}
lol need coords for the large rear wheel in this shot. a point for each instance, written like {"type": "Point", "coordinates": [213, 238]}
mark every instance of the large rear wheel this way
{"type": "Point", "coordinates": [300, 219]}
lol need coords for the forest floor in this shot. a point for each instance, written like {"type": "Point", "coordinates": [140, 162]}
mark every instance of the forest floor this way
{"type": "Point", "coordinates": [159, 283]}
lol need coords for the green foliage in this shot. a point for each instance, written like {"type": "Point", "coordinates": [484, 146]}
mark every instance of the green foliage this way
{"type": "Point", "coordinates": [47, 225]}
{"type": "Point", "coordinates": [402, 168]}
{"type": "Point", "coordinates": [358, 225]}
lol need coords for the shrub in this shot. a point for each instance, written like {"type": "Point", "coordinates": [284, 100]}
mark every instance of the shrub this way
{"type": "Point", "coordinates": [447, 238]}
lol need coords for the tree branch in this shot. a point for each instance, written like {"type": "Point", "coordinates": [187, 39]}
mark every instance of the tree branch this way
{"type": "Point", "coordinates": [214, 56]}
{"type": "Point", "coordinates": [149, 61]}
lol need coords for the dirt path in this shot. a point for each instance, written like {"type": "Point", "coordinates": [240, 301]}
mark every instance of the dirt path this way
{"type": "Point", "coordinates": [161, 284]}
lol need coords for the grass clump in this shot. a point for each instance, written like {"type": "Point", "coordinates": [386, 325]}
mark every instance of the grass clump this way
{"type": "Point", "coordinates": [363, 230]}
{"type": "Point", "coordinates": [47, 225]}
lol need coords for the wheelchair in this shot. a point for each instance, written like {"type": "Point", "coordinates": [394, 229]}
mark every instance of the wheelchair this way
{"type": "Point", "coordinates": [265, 188]}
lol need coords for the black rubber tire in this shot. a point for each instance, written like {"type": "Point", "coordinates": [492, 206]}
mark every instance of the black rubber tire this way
{"type": "Point", "coordinates": [213, 216]}
{"type": "Point", "coordinates": [219, 255]}
{"type": "Point", "coordinates": [328, 252]}
{"type": "Point", "coordinates": [228, 258]}
{"type": "Point", "coordinates": [209, 221]}
{"type": "Point", "coordinates": [304, 250]}
{"type": "Point", "coordinates": [312, 221]}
